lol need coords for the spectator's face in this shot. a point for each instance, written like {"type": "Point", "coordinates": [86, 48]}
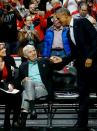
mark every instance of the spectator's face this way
{"type": "Point", "coordinates": [6, 6]}
{"type": "Point", "coordinates": [90, 3]}
{"type": "Point", "coordinates": [32, 54]}
{"type": "Point", "coordinates": [62, 17]}
{"type": "Point", "coordinates": [2, 50]}
{"type": "Point", "coordinates": [83, 11]}
{"type": "Point", "coordinates": [32, 8]}
{"type": "Point", "coordinates": [28, 21]}
{"type": "Point", "coordinates": [56, 22]}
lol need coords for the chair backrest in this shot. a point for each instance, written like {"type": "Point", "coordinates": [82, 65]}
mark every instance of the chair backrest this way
{"type": "Point", "coordinates": [65, 80]}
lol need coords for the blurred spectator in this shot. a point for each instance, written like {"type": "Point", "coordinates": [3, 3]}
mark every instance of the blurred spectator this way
{"type": "Point", "coordinates": [56, 42]}
{"type": "Point", "coordinates": [27, 35]}
{"type": "Point", "coordinates": [10, 20]}
{"type": "Point", "coordinates": [83, 12]}
{"type": "Point", "coordinates": [49, 5]}
{"type": "Point", "coordinates": [72, 6]}
{"type": "Point", "coordinates": [30, 34]}
{"type": "Point", "coordinates": [92, 8]}
{"type": "Point", "coordinates": [40, 24]}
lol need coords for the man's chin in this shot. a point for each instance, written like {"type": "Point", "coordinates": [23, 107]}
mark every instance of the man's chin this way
{"type": "Point", "coordinates": [34, 59]}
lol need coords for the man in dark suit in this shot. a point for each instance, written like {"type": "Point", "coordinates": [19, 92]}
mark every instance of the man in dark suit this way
{"type": "Point", "coordinates": [36, 78]}
{"type": "Point", "coordinates": [84, 36]}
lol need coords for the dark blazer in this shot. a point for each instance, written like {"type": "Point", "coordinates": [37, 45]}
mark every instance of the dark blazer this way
{"type": "Point", "coordinates": [8, 63]}
{"type": "Point", "coordinates": [46, 71]}
{"type": "Point", "coordinates": [86, 44]}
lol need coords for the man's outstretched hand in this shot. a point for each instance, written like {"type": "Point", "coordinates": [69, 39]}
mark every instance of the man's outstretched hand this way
{"type": "Point", "coordinates": [88, 62]}
{"type": "Point", "coordinates": [55, 59]}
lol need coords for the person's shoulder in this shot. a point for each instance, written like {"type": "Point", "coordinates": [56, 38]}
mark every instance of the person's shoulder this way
{"type": "Point", "coordinates": [10, 60]}
{"type": "Point", "coordinates": [82, 21]}
{"type": "Point", "coordinates": [87, 23]}
{"type": "Point", "coordinates": [50, 29]}
{"type": "Point", "coordinates": [23, 64]}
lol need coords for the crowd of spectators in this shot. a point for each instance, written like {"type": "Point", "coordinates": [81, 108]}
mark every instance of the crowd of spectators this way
{"type": "Point", "coordinates": [33, 18]}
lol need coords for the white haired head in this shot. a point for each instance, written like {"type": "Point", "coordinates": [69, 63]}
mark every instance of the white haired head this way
{"type": "Point", "coordinates": [26, 50]}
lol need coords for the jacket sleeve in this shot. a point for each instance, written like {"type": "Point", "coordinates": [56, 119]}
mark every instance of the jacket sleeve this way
{"type": "Point", "coordinates": [92, 37]}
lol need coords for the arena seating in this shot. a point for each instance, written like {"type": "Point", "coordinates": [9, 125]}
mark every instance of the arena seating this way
{"type": "Point", "coordinates": [65, 97]}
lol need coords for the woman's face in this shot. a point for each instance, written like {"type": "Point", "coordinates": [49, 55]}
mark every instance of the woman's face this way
{"type": "Point", "coordinates": [2, 50]}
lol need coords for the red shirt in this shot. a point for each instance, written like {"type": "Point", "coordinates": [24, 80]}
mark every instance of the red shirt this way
{"type": "Point", "coordinates": [4, 73]}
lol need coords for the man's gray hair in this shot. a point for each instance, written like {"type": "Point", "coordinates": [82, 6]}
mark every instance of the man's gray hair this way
{"type": "Point", "coordinates": [64, 10]}
{"type": "Point", "coordinates": [81, 4]}
{"type": "Point", "coordinates": [26, 49]}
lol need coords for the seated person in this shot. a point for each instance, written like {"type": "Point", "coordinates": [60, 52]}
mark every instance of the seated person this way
{"type": "Point", "coordinates": [36, 78]}
{"type": "Point", "coordinates": [11, 101]}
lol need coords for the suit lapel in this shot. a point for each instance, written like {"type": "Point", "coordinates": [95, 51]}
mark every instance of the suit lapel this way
{"type": "Point", "coordinates": [76, 30]}
{"type": "Point", "coordinates": [40, 67]}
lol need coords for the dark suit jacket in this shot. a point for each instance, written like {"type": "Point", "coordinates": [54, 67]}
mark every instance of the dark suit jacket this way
{"type": "Point", "coordinates": [86, 44]}
{"type": "Point", "coordinates": [46, 71]}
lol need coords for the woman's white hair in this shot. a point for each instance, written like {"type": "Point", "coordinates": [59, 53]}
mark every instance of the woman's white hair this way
{"type": "Point", "coordinates": [26, 49]}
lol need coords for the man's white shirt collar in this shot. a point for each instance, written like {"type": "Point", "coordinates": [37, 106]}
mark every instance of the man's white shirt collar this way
{"type": "Point", "coordinates": [72, 31]}
{"type": "Point", "coordinates": [71, 22]}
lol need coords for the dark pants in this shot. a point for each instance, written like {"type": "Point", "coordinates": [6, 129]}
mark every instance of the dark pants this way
{"type": "Point", "coordinates": [11, 102]}
{"type": "Point", "coordinates": [86, 81]}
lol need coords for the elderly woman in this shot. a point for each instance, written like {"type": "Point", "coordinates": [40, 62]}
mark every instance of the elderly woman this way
{"type": "Point", "coordinates": [36, 78]}
{"type": "Point", "coordinates": [7, 85]}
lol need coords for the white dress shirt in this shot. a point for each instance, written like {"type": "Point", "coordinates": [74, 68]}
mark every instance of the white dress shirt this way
{"type": "Point", "coordinates": [71, 31]}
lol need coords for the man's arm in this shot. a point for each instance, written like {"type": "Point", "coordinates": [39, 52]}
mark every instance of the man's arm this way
{"type": "Point", "coordinates": [92, 33]}
{"type": "Point", "coordinates": [61, 62]}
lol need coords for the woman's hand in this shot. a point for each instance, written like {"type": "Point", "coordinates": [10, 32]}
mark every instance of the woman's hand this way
{"type": "Point", "coordinates": [10, 87]}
